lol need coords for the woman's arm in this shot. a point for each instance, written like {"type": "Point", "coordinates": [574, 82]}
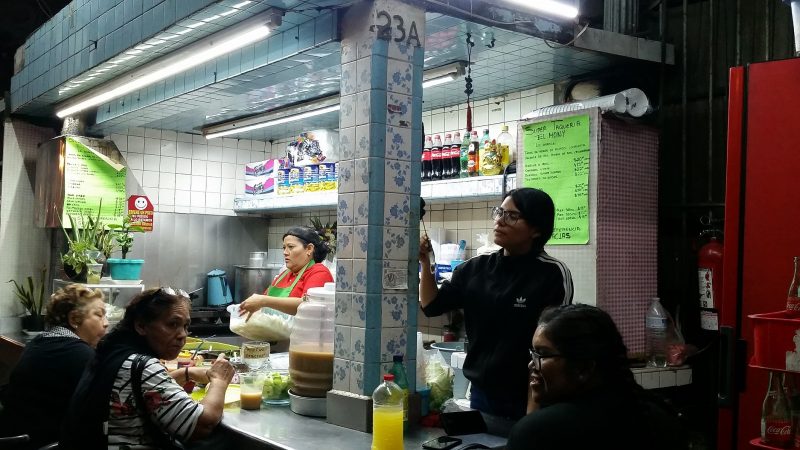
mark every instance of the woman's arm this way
{"type": "Point", "coordinates": [255, 302]}
{"type": "Point", "coordinates": [427, 283]}
{"type": "Point", "coordinates": [219, 376]}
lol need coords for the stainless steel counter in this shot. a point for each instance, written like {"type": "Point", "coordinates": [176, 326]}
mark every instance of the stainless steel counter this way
{"type": "Point", "coordinates": [280, 428]}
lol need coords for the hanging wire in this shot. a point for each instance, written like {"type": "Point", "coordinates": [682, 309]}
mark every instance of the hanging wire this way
{"type": "Point", "coordinates": [468, 80]}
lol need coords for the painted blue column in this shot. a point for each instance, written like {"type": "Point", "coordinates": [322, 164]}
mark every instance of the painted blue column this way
{"type": "Point", "coordinates": [379, 182]}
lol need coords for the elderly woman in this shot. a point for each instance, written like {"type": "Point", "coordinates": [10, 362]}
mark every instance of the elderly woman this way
{"type": "Point", "coordinates": [128, 399]}
{"type": "Point", "coordinates": [502, 295]}
{"type": "Point", "coordinates": [36, 398]}
{"type": "Point", "coordinates": [303, 251]}
{"type": "Point", "coordinates": [582, 391]}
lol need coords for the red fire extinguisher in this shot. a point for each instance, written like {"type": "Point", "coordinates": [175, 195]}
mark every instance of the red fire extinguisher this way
{"type": "Point", "coordinates": [709, 275]}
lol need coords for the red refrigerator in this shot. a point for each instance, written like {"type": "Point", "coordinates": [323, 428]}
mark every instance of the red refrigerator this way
{"type": "Point", "coordinates": [762, 231]}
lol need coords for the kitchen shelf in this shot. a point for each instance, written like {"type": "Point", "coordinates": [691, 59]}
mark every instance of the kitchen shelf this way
{"type": "Point", "coordinates": [115, 294]}
{"type": "Point", "coordinates": [487, 188]}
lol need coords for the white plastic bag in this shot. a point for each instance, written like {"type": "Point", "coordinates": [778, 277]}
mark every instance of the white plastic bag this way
{"type": "Point", "coordinates": [485, 247]}
{"type": "Point", "coordinates": [266, 324]}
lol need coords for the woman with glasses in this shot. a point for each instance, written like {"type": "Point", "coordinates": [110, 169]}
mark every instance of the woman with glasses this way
{"type": "Point", "coordinates": [502, 295]}
{"type": "Point", "coordinates": [128, 399]}
{"type": "Point", "coordinates": [303, 252]}
{"type": "Point", "coordinates": [41, 384]}
{"type": "Point", "coordinates": [582, 393]}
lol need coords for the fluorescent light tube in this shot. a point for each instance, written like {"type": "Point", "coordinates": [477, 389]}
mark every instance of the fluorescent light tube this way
{"type": "Point", "coordinates": [178, 65]}
{"type": "Point", "coordinates": [549, 6]}
{"type": "Point", "coordinates": [272, 123]}
{"type": "Point", "coordinates": [438, 81]}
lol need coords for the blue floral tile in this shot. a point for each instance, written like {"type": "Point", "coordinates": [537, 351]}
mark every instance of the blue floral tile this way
{"type": "Point", "coordinates": [398, 143]}
{"type": "Point", "coordinates": [344, 274]}
{"type": "Point", "coordinates": [357, 377]}
{"type": "Point", "coordinates": [347, 143]}
{"type": "Point", "coordinates": [395, 243]}
{"type": "Point", "coordinates": [342, 345]}
{"type": "Point", "coordinates": [399, 77]}
{"type": "Point", "coordinates": [363, 108]}
{"type": "Point", "coordinates": [349, 78]}
{"type": "Point", "coordinates": [347, 176]}
{"type": "Point", "coordinates": [347, 111]}
{"type": "Point", "coordinates": [362, 208]}
{"type": "Point", "coordinates": [394, 310]}
{"type": "Point", "coordinates": [399, 109]}
{"type": "Point", "coordinates": [363, 146]}
{"type": "Point", "coordinates": [359, 310]}
{"type": "Point", "coordinates": [341, 374]}
{"type": "Point", "coordinates": [362, 175]}
{"type": "Point", "coordinates": [358, 343]}
{"type": "Point", "coordinates": [364, 74]}
{"type": "Point", "coordinates": [393, 342]}
{"type": "Point", "coordinates": [345, 209]}
{"type": "Point", "coordinates": [344, 242]}
{"type": "Point", "coordinates": [397, 210]}
{"type": "Point", "coordinates": [360, 275]}
{"type": "Point", "coordinates": [397, 176]}
{"type": "Point", "coordinates": [344, 308]}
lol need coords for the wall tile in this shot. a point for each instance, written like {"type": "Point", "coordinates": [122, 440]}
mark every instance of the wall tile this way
{"type": "Point", "coordinates": [198, 167]}
{"type": "Point", "coordinates": [150, 178]}
{"type": "Point", "coordinates": [214, 169]}
{"type": "Point", "coordinates": [166, 197]}
{"type": "Point", "coordinates": [167, 164]}
{"type": "Point", "coordinates": [152, 146]}
{"type": "Point", "coordinates": [397, 177]}
{"type": "Point", "coordinates": [166, 180]}
{"type": "Point", "coordinates": [135, 161]}
{"type": "Point", "coordinates": [342, 344]}
{"type": "Point", "coordinates": [394, 310]}
{"type": "Point", "coordinates": [152, 162]}
{"type": "Point", "coordinates": [214, 153]}
{"type": "Point", "coordinates": [344, 309]}
{"type": "Point", "coordinates": [393, 342]}
{"type": "Point", "coordinates": [183, 182]}
{"type": "Point", "coordinates": [341, 374]}
{"type": "Point", "coordinates": [168, 148]}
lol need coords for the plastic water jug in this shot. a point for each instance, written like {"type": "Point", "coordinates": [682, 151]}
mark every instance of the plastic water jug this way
{"type": "Point", "coordinates": [311, 343]}
{"type": "Point", "coordinates": [218, 292]}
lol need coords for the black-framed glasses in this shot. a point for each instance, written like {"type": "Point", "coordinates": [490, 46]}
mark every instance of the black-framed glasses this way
{"type": "Point", "coordinates": [171, 291]}
{"type": "Point", "coordinates": [509, 217]}
{"type": "Point", "coordinates": [537, 357]}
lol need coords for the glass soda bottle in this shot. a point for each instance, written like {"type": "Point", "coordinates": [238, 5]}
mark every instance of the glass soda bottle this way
{"type": "Point", "coordinates": [776, 414]}
{"type": "Point", "coordinates": [427, 164]}
{"type": "Point", "coordinates": [455, 155]}
{"type": "Point", "coordinates": [657, 323]}
{"type": "Point", "coordinates": [473, 161]}
{"type": "Point", "coordinates": [387, 415]}
{"type": "Point", "coordinates": [793, 298]}
{"type": "Point", "coordinates": [401, 379]}
{"type": "Point", "coordinates": [436, 157]}
{"type": "Point", "coordinates": [446, 168]}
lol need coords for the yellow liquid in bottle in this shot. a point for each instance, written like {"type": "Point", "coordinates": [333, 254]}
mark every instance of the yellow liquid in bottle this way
{"type": "Point", "coordinates": [387, 428]}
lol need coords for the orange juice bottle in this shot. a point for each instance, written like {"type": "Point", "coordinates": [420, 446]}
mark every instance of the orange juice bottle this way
{"type": "Point", "coordinates": [387, 415]}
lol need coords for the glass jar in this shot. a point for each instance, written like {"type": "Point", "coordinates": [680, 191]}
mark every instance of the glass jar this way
{"type": "Point", "coordinates": [311, 344]}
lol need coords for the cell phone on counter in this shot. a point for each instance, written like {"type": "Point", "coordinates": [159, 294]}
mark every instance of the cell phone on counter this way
{"type": "Point", "coordinates": [442, 443]}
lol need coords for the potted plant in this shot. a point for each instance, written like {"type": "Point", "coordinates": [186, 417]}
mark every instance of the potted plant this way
{"type": "Point", "coordinates": [81, 249]}
{"type": "Point", "coordinates": [32, 298]}
{"type": "Point", "coordinates": [124, 268]}
{"type": "Point", "coordinates": [328, 234]}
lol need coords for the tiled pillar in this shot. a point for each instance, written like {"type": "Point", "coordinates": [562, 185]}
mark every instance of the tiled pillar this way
{"type": "Point", "coordinates": [378, 208]}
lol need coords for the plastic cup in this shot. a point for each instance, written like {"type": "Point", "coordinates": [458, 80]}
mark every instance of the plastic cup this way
{"type": "Point", "coordinates": [93, 273]}
{"type": "Point", "coordinates": [250, 386]}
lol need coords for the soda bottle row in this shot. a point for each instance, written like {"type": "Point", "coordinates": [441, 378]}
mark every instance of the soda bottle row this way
{"type": "Point", "coordinates": [470, 157]}
{"type": "Point", "coordinates": [780, 412]}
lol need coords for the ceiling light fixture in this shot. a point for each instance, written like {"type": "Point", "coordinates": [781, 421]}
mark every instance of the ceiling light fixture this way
{"type": "Point", "coordinates": [443, 74]}
{"type": "Point", "coordinates": [192, 55]}
{"type": "Point", "coordinates": [549, 6]}
{"type": "Point", "coordinates": [273, 118]}
{"type": "Point", "coordinates": [438, 81]}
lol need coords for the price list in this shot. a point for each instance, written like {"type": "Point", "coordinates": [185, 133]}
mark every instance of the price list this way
{"type": "Point", "coordinates": [556, 160]}
{"type": "Point", "coordinates": [92, 179]}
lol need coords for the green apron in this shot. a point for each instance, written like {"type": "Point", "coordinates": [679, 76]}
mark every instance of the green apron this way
{"type": "Point", "coordinates": [274, 291]}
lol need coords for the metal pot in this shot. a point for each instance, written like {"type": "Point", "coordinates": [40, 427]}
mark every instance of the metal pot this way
{"type": "Point", "coordinates": [253, 280]}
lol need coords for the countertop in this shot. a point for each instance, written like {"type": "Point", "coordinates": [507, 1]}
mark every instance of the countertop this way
{"type": "Point", "coordinates": [279, 428]}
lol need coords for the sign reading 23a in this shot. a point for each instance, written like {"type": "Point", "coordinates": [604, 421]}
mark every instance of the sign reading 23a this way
{"type": "Point", "coordinates": [390, 24]}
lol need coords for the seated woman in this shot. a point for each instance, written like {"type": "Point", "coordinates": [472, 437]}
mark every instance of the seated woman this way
{"type": "Point", "coordinates": [303, 251]}
{"type": "Point", "coordinates": [128, 400]}
{"type": "Point", "coordinates": [41, 385]}
{"type": "Point", "coordinates": [582, 393]}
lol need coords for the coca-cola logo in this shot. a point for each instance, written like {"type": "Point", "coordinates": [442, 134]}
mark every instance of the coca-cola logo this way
{"type": "Point", "coordinates": [779, 429]}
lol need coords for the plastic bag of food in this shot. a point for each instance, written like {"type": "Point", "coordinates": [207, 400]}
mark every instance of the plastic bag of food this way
{"type": "Point", "coordinates": [439, 377]}
{"type": "Point", "coordinates": [266, 324]}
{"type": "Point", "coordinates": [485, 247]}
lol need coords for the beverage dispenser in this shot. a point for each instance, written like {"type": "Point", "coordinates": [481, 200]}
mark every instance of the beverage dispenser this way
{"type": "Point", "coordinates": [311, 352]}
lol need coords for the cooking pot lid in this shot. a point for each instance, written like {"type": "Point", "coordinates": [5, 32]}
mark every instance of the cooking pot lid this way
{"type": "Point", "coordinates": [216, 273]}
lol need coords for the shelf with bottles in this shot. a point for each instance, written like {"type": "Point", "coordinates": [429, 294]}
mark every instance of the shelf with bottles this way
{"type": "Point", "coordinates": [479, 188]}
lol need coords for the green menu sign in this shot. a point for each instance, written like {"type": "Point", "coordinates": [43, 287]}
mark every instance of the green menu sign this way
{"type": "Point", "coordinates": [556, 160]}
{"type": "Point", "coordinates": [89, 179]}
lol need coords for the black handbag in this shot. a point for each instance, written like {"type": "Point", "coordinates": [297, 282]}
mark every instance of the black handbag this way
{"type": "Point", "coordinates": [162, 440]}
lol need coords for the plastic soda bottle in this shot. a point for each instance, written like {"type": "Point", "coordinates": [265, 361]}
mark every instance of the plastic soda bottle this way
{"type": "Point", "coordinates": [464, 156]}
{"type": "Point", "coordinates": [657, 323]}
{"type": "Point", "coordinates": [507, 147]}
{"type": "Point", "coordinates": [387, 415]}
{"type": "Point", "coordinates": [401, 379]}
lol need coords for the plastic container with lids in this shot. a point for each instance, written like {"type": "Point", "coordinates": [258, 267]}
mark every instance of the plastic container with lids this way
{"type": "Point", "coordinates": [311, 343]}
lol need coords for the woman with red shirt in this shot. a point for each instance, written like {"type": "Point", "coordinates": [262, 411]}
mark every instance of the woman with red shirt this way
{"type": "Point", "coordinates": [303, 252]}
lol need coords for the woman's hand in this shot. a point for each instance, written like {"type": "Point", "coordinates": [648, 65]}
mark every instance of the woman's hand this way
{"type": "Point", "coordinates": [424, 249]}
{"type": "Point", "coordinates": [250, 305]}
{"type": "Point", "coordinates": [221, 370]}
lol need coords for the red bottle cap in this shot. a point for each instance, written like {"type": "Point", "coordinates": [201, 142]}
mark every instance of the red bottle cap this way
{"type": "Point", "coordinates": [388, 377]}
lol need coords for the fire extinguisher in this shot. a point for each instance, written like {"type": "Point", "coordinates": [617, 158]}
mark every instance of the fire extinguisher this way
{"type": "Point", "coordinates": [709, 276]}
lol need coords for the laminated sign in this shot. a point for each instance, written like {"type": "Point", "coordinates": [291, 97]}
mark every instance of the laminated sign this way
{"type": "Point", "coordinates": [92, 182]}
{"type": "Point", "coordinates": [140, 211]}
{"type": "Point", "coordinates": [556, 160]}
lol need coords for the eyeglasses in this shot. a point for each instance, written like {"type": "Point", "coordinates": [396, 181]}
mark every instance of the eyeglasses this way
{"type": "Point", "coordinates": [537, 357]}
{"type": "Point", "coordinates": [178, 292]}
{"type": "Point", "coordinates": [509, 217]}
